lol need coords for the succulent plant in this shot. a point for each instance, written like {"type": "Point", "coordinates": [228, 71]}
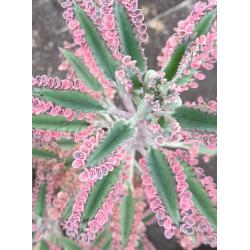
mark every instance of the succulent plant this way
{"type": "Point", "coordinates": [114, 147]}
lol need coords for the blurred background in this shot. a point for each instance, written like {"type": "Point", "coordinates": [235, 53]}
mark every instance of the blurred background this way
{"type": "Point", "coordinates": [49, 32]}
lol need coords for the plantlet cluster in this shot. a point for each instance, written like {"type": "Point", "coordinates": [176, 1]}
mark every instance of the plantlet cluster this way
{"type": "Point", "coordinates": [114, 147]}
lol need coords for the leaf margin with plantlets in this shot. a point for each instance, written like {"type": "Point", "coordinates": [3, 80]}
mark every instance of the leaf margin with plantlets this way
{"type": "Point", "coordinates": [109, 144]}
{"type": "Point", "coordinates": [194, 119]}
{"type": "Point", "coordinates": [129, 44]}
{"type": "Point", "coordinates": [96, 44]}
{"type": "Point", "coordinates": [72, 99]}
{"type": "Point", "coordinates": [41, 200]}
{"type": "Point", "coordinates": [81, 70]}
{"type": "Point", "coordinates": [100, 189]}
{"type": "Point", "coordinates": [164, 182]}
{"type": "Point", "coordinates": [200, 197]}
{"type": "Point", "coordinates": [127, 211]}
{"type": "Point", "coordinates": [44, 154]}
{"type": "Point", "coordinates": [58, 123]}
{"type": "Point", "coordinates": [201, 28]}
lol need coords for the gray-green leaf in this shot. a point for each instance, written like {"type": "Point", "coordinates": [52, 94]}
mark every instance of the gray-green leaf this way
{"type": "Point", "coordinates": [97, 45]}
{"type": "Point", "coordinates": [200, 197]}
{"type": "Point", "coordinates": [81, 70]}
{"type": "Point", "coordinates": [58, 123]}
{"type": "Point", "coordinates": [127, 209]}
{"type": "Point", "coordinates": [72, 99]}
{"type": "Point", "coordinates": [204, 25]}
{"type": "Point", "coordinates": [130, 45]}
{"type": "Point", "coordinates": [43, 154]}
{"type": "Point", "coordinates": [69, 244]}
{"type": "Point", "coordinates": [41, 201]}
{"type": "Point", "coordinates": [42, 245]}
{"type": "Point", "coordinates": [190, 118]}
{"type": "Point", "coordinates": [68, 208]}
{"type": "Point", "coordinates": [164, 182]}
{"type": "Point", "coordinates": [99, 193]}
{"type": "Point", "coordinates": [115, 138]}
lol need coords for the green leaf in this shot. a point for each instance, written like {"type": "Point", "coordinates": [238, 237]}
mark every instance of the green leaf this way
{"type": "Point", "coordinates": [127, 217]}
{"type": "Point", "coordinates": [171, 68]}
{"type": "Point", "coordinates": [148, 217]}
{"type": "Point", "coordinates": [72, 99]}
{"type": "Point", "coordinates": [130, 45]}
{"type": "Point", "coordinates": [100, 237]}
{"type": "Point", "coordinates": [164, 182]}
{"type": "Point", "coordinates": [185, 79]}
{"type": "Point", "coordinates": [97, 45]}
{"type": "Point", "coordinates": [107, 244]}
{"type": "Point", "coordinates": [115, 138]}
{"type": "Point", "coordinates": [41, 200]}
{"type": "Point", "coordinates": [43, 154]}
{"type": "Point", "coordinates": [69, 244]}
{"type": "Point", "coordinates": [204, 25]}
{"type": "Point", "coordinates": [68, 209]}
{"type": "Point", "coordinates": [42, 245]}
{"type": "Point", "coordinates": [58, 123]}
{"type": "Point", "coordinates": [69, 161]}
{"type": "Point", "coordinates": [190, 118]}
{"type": "Point", "coordinates": [81, 70]}
{"type": "Point", "coordinates": [99, 193]}
{"type": "Point", "coordinates": [140, 246]}
{"type": "Point", "coordinates": [200, 197]}
{"type": "Point", "coordinates": [66, 143]}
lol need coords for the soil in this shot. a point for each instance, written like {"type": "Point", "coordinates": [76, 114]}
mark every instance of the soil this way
{"type": "Point", "coordinates": [49, 32]}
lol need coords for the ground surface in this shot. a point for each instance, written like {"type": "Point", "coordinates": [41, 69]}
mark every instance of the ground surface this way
{"type": "Point", "coordinates": [49, 32]}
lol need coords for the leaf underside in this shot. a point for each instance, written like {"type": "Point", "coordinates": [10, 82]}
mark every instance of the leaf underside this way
{"type": "Point", "coordinates": [72, 99]}
{"type": "Point", "coordinates": [164, 182]}
{"type": "Point", "coordinates": [127, 217]}
{"type": "Point", "coordinates": [200, 197]}
{"type": "Point", "coordinates": [97, 45]}
{"type": "Point", "coordinates": [130, 45]}
{"type": "Point", "coordinates": [81, 70]}
{"type": "Point", "coordinates": [115, 138]}
{"type": "Point", "coordinates": [58, 123]}
{"type": "Point", "coordinates": [190, 118]}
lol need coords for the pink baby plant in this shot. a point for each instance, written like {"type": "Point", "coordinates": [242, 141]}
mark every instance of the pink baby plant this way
{"type": "Point", "coordinates": [114, 147]}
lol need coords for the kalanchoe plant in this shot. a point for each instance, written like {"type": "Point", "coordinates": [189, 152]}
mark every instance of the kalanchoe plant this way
{"type": "Point", "coordinates": [114, 147]}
